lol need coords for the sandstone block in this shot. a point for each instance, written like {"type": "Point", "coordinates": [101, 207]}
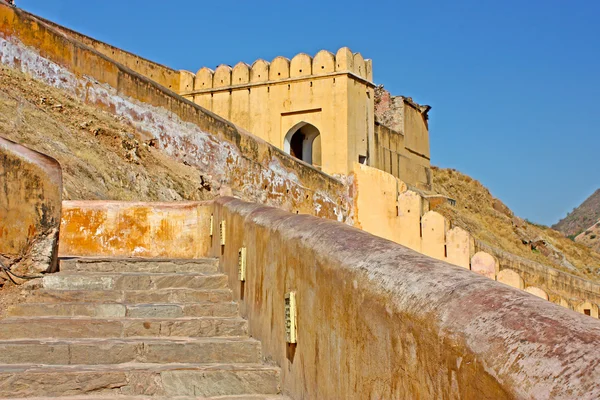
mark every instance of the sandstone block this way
{"type": "Point", "coordinates": [107, 310]}
{"type": "Point", "coordinates": [38, 328]}
{"type": "Point", "coordinates": [192, 327]}
{"type": "Point", "coordinates": [208, 265]}
{"type": "Point", "coordinates": [119, 351]}
{"type": "Point", "coordinates": [139, 379]}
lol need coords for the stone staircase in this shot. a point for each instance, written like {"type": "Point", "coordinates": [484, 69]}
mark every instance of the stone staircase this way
{"type": "Point", "coordinates": [132, 329]}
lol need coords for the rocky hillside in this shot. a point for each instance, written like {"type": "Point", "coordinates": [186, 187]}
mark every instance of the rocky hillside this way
{"type": "Point", "coordinates": [490, 221]}
{"type": "Point", "coordinates": [590, 237]}
{"type": "Point", "coordinates": [581, 218]}
{"type": "Point", "coordinates": [583, 223]}
{"type": "Point", "coordinates": [101, 156]}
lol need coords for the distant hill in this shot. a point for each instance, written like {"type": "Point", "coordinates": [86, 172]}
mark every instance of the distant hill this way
{"type": "Point", "coordinates": [582, 218]}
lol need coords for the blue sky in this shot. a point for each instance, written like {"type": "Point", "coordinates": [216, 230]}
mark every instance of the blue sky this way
{"type": "Point", "coordinates": [514, 85]}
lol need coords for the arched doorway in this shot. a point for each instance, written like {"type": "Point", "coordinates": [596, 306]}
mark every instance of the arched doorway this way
{"type": "Point", "coordinates": [303, 141]}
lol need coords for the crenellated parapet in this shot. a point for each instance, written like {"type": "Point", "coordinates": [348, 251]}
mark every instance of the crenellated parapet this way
{"type": "Point", "coordinates": [386, 207]}
{"type": "Point", "coordinates": [301, 66]}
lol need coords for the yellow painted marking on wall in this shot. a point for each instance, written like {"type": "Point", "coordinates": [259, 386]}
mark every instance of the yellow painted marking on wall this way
{"type": "Point", "coordinates": [242, 264]}
{"type": "Point", "coordinates": [291, 314]}
{"type": "Point", "coordinates": [222, 232]}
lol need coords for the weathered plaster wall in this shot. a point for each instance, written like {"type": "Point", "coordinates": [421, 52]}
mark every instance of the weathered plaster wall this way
{"type": "Point", "coordinates": [30, 206]}
{"type": "Point", "coordinates": [379, 321]}
{"type": "Point", "coordinates": [130, 229]}
{"type": "Point", "coordinates": [392, 156]}
{"type": "Point", "coordinates": [235, 161]}
{"type": "Point", "coordinates": [416, 129]}
{"type": "Point", "coordinates": [401, 140]}
{"type": "Point", "coordinates": [333, 93]}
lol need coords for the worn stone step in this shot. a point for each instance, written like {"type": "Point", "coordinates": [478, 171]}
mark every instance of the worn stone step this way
{"type": "Point", "coordinates": [119, 351]}
{"type": "Point", "coordinates": [117, 310]}
{"type": "Point", "coordinates": [78, 327]}
{"type": "Point", "coordinates": [131, 296]}
{"type": "Point", "coordinates": [202, 265]}
{"type": "Point", "coordinates": [133, 281]}
{"type": "Point", "coordinates": [22, 381]}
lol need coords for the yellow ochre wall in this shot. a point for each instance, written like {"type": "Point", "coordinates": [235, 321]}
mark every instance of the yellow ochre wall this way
{"type": "Point", "coordinates": [332, 92]}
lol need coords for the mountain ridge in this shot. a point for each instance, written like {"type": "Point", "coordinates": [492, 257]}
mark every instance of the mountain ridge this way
{"type": "Point", "coordinates": [583, 217]}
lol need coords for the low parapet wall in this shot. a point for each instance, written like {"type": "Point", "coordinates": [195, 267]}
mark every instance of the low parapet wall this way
{"type": "Point", "coordinates": [133, 229]}
{"type": "Point", "coordinates": [384, 206]}
{"type": "Point", "coordinates": [561, 287]}
{"type": "Point", "coordinates": [30, 206]}
{"type": "Point", "coordinates": [377, 320]}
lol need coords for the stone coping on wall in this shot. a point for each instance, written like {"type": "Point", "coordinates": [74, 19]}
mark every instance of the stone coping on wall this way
{"type": "Point", "coordinates": [280, 81]}
{"type": "Point", "coordinates": [387, 322]}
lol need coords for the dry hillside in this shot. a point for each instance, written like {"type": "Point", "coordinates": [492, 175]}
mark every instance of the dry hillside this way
{"type": "Point", "coordinates": [582, 217]}
{"type": "Point", "coordinates": [490, 221]}
{"type": "Point", "coordinates": [583, 223]}
{"type": "Point", "coordinates": [101, 157]}
{"type": "Point", "coordinates": [590, 237]}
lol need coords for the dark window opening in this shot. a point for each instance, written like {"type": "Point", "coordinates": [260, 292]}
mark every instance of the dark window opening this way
{"type": "Point", "coordinates": [296, 145]}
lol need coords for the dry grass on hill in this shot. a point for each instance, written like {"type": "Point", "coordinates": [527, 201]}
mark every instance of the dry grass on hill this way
{"type": "Point", "coordinates": [591, 236]}
{"type": "Point", "coordinates": [101, 157]}
{"type": "Point", "coordinates": [489, 220]}
{"type": "Point", "coordinates": [582, 217]}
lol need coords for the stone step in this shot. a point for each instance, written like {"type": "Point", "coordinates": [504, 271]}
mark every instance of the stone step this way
{"type": "Point", "coordinates": [120, 351]}
{"type": "Point", "coordinates": [25, 381]}
{"type": "Point", "coordinates": [202, 265]}
{"type": "Point", "coordinates": [131, 296]}
{"type": "Point", "coordinates": [120, 310]}
{"type": "Point", "coordinates": [78, 327]}
{"type": "Point", "coordinates": [132, 281]}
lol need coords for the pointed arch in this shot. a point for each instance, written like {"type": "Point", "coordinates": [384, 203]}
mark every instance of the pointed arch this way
{"type": "Point", "coordinates": [303, 142]}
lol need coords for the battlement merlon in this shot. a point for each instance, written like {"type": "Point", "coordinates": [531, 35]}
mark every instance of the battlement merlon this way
{"type": "Point", "coordinates": [301, 67]}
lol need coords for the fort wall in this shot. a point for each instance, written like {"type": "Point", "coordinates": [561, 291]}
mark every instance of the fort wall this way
{"type": "Point", "coordinates": [332, 93]}
{"type": "Point", "coordinates": [30, 206]}
{"type": "Point", "coordinates": [238, 162]}
{"type": "Point", "coordinates": [401, 143]}
{"type": "Point", "coordinates": [392, 156]}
